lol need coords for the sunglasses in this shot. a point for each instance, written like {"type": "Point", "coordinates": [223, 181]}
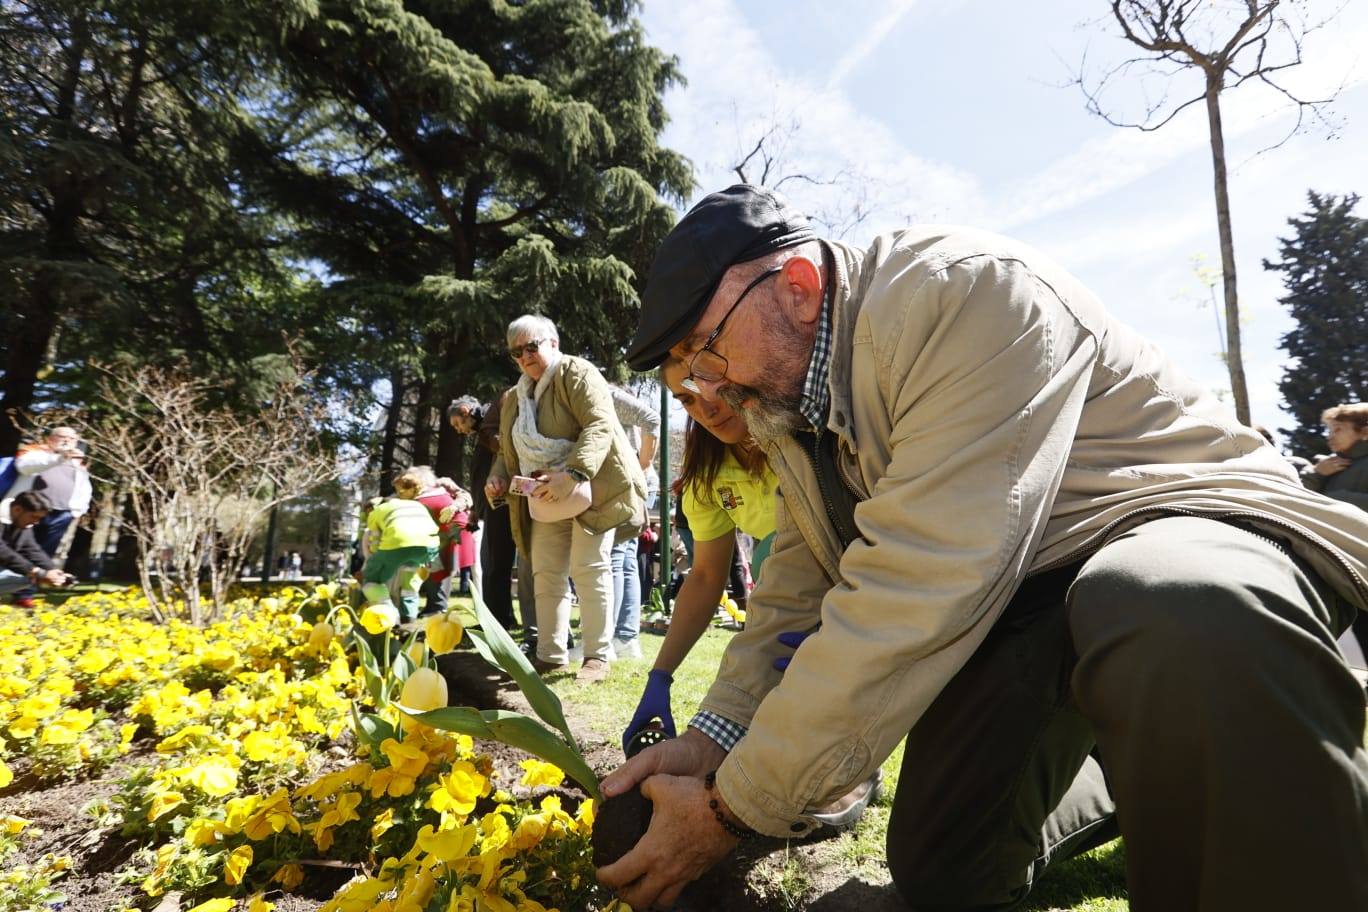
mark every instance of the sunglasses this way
{"type": "Point", "coordinates": [529, 348]}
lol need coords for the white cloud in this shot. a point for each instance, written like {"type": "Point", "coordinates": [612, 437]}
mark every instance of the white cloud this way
{"type": "Point", "coordinates": [737, 91]}
{"type": "Point", "coordinates": [1123, 209]}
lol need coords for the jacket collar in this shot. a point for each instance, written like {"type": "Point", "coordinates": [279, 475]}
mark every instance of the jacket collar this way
{"type": "Point", "coordinates": [1358, 451]}
{"type": "Point", "coordinates": [850, 275]}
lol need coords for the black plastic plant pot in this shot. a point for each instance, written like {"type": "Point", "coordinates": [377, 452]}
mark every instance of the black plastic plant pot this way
{"type": "Point", "coordinates": [622, 821]}
{"type": "Point", "coordinates": [619, 825]}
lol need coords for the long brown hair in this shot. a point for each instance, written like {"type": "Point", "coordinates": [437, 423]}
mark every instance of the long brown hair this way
{"type": "Point", "coordinates": [703, 458]}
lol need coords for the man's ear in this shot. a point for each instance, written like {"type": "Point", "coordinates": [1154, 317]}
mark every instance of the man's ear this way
{"type": "Point", "coordinates": [801, 289]}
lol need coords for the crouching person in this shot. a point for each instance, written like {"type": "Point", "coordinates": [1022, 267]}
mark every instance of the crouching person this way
{"type": "Point", "coordinates": [1087, 597]}
{"type": "Point", "coordinates": [22, 562]}
{"type": "Point", "coordinates": [405, 540]}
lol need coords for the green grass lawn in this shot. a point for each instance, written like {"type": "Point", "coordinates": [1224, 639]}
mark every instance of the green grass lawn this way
{"type": "Point", "coordinates": [1094, 882]}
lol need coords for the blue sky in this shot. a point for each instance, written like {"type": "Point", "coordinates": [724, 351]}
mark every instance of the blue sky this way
{"type": "Point", "coordinates": [959, 111]}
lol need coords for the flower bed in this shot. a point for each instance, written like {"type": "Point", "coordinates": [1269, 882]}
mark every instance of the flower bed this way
{"type": "Point", "coordinates": [250, 779]}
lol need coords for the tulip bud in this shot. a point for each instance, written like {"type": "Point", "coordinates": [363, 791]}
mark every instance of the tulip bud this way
{"type": "Point", "coordinates": [417, 652]}
{"type": "Point", "coordinates": [425, 689]}
{"type": "Point", "coordinates": [443, 634]}
{"type": "Point", "coordinates": [321, 635]}
{"type": "Point", "coordinates": [379, 617]}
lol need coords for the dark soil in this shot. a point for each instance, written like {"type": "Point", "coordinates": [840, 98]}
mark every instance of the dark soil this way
{"type": "Point", "coordinates": [58, 826]}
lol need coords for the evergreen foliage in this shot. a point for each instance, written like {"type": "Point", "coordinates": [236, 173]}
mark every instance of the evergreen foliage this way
{"type": "Point", "coordinates": [122, 234]}
{"type": "Point", "coordinates": [455, 164]}
{"type": "Point", "coordinates": [1325, 270]}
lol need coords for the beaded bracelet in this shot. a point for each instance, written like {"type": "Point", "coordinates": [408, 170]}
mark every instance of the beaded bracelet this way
{"type": "Point", "coordinates": [739, 832]}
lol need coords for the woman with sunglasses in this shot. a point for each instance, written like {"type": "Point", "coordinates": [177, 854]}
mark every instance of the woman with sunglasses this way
{"type": "Point", "coordinates": [560, 428]}
{"type": "Point", "coordinates": [725, 485]}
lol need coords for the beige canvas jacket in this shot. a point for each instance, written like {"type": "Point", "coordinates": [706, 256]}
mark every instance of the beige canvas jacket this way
{"type": "Point", "coordinates": [578, 406]}
{"type": "Point", "coordinates": [997, 422]}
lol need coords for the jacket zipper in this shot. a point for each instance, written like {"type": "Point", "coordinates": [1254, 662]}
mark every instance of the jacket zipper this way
{"type": "Point", "coordinates": [846, 535]}
{"type": "Point", "coordinates": [1095, 543]}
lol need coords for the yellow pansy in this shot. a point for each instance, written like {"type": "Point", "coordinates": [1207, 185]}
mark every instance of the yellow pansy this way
{"type": "Point", "coordinates": [289, 876]}
{"type": "Point", "coordinates": [236, 865]}
{"type": "Point", "coordinates": [272, 815]}
{"type": "Point", "coordinates": [215, 777]}
{"type": "Point", "coordinates": [459, 789]}
{"type": "Point", "coordinates": [536, 773]}
{"type": "Point", "coordinates": [126, 733]}
{"type": "Point", "coordinates": [405, 758]}
{"type": "Point", "coordinates": [6, 774]}
{"type": "Point", "coordinates": [23, 728]}
{"type": "Point", "coordinates": [530, 831]}
{"type": "Point", "coordinates": [383, 821]}
{"type": "Point", "coordinates": [163, 803]}
{"type": "Point", "coordinates": [183, 738]}
{"type": "Point", "coordinates": [223, 904]}
{"type": "Point", "coordinates": [258, 903]}
{"type": "Point", "coordinates": [447, 845]}
{"type": "Point", "coordinates": [96, 660]}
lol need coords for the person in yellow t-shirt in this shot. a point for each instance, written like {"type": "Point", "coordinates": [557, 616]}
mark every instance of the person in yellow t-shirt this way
{"type": "Point", "coordinates": [726, 484]}
{"type": "Point", "coordinates": [403, 538]}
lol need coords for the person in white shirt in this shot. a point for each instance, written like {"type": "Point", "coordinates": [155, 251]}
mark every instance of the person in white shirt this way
{"type": "Point", "coordinates": [56, 467]}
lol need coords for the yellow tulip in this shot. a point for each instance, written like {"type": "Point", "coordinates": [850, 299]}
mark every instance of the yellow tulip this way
{"type": "Point", "coordinates": [321, 635]}
{"type": "Point", "coordinates": [379, 617]}
{"type": "Point", "coordinates": [417, 652]}
{"type": "Point", "coordinates": [443, 634]}
{"type": "Point", "coordinates": [425, 689]}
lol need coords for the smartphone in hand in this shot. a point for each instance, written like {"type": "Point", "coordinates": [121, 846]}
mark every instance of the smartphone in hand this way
{"type": "Point", "coordinates": [521, 484]}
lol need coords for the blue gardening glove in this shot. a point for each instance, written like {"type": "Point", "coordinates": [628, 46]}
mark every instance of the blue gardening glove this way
{"type": "Point", "coordinates": [655, 704]}
{"type": "Point", "coordinates": [792, 640]}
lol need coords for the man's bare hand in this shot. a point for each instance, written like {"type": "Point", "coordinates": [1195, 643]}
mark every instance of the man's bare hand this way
{"type": "Point", "coordinates": [53, 577]}
{"type": "Point", "coordinates": [1331, 465]}
{"type": "Point", "coordinates": [692, 754]}
{"type": "Point", "coordinates": [683, 841]}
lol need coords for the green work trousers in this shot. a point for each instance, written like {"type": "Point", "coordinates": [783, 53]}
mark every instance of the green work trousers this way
{"type": "Point", "coordinates": [1181, 686]}
{"type": "Point", "coordinates": [396, 568]}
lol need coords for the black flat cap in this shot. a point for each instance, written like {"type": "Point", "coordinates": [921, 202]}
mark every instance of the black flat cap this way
{"type": "Point", "coordinates": [732, 226]}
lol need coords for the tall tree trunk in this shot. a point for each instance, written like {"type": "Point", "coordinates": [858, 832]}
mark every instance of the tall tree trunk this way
{"type": "Point", "coordinates": [422, 423]}
{"type": "Point", "coordinates": [1234, 360]}
{"type": "Point", "coordinates": [390, 440]}
{"type": "Point", "coordinates": [27, 343]}
{"type": "Point", "coordinates": [30, 335]}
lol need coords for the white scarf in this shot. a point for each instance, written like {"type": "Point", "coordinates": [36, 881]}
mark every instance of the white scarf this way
{"type": "Point", "coordinates": [534, 450]}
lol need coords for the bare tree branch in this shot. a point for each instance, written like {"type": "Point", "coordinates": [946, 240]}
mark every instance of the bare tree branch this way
{"type": "Point", "coordinates": [200, 478]}
{"type": "Point", "coordinates": [1260, 42]}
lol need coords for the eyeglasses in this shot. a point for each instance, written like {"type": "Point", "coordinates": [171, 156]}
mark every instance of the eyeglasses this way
{"type": "Point", "coordinates": [529, 348]}
{"type": "Point", "coordinates": [707, 365]}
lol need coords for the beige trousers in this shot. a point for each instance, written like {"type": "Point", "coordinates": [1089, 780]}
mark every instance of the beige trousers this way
{"type": "Point", "coordinates": [564, 550]}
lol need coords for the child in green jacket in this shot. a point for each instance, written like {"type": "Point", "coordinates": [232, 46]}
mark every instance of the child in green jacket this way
{"type": "Point", "coordinates": [403, 542]}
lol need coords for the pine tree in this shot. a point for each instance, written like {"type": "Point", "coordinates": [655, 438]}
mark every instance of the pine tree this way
{"type": "Point", "coordinates": [455, 164]}
{"type": "Point", "coordinates": [122, 233]}
{"type": "Point", "coordinates": [1325, 269]}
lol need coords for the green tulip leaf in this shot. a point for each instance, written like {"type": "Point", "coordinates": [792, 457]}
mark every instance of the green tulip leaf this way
{"type": "Point", "coordinates": [498, 648]}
